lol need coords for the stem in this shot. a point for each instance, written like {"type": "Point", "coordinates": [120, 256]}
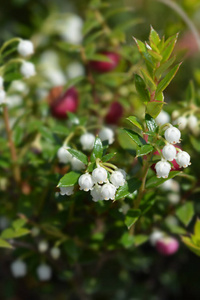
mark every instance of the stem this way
{"type": "Point", "coordinates": [16, 169]}
{"type": "Point", "coordinates": [110, 165]}
{"type": "Point", "coordinates": [142, 187]}
{"type": "Point", "coordinates": [6, 44]}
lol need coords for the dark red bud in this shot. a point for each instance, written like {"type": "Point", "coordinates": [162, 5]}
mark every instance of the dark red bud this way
{"type": "Point", "coordinates": [105, 66]}
{"type": "Point", "coordinates": [115, 113]}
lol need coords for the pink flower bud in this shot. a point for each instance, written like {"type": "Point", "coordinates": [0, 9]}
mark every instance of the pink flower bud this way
{"type": "Point", "coordinates": [167, 246]}
{"type": "Point", "coordinates": [105, 66]}
{"type": "Point", "coordinates": [115, 113]}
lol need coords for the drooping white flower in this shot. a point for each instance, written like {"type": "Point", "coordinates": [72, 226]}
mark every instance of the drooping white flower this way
{"type": "Point", "coordinates": [63, 155]}
{"type": "Point", "coordinates": [162, 169]}
{"type": "Point", "coordinates": [19, 86]}
{"type": "Point", "coordinates": [96, 193]}
{"type": "Point", "coordinates": [44, 272]}
{"type": "Point", "coordinates": [192, 122]}
{"type": "Point", "coordinates": [107, 134]}
{"type": "Point", "coordinates": [14, 100]}
{"type": "Point", "coordinates": [87, 141]}
{"type": "Point", "coordinates": [172, 135]}
{"type": "Point", "coordinates": [183, 159]}
{"type": "Point", "coordinates": [77, 165]}
{"type": "Point", "coordinates": [1, 82]}
{"type": "Point", "coordinates": [162, 118]}
{"type": "Point", "coordinates": [85, 182]}
{"type": "Point", "coordinates": [55, 252]}
{"type": "Point", "coordinates": [182, 122]}
{"type": "Point", "coordinates": [175, 114]}
{"type": "Point", "coordinates": [27, 69]}
{"type": "Point", "coordinates": [35, 231]}
{"type": "Point", "coordinates": [75, 69]}
{"type": "Point", "coordinates": [155, 236]}
{"type": "Point", "coordinates": [25, 48]}
{"type": "Point", "coordinates": [2, 97]}
{"type": "Point", "coordinates": [99, 175]}
{"type": "Point", "coordinates": [169, 152]}
{"type": "Point", "coordinates": [174, 198]}
{"type": "Point", "coordinates": [170, 185]}
{"type": "Point", "coordinates": [43, 246]}
{"type": "Point", "coordinates": [117, 178]}
{"type": "Point", "coordinates": [108, 191]}
{"type": "Point", "coordinates": [72, 29]}
{"type": "Point", "coordinates": [68, 190]}
{"type": "Point", "coordinates": [123, 172]}
{"type": "Point", "coordinates": [18, 268]}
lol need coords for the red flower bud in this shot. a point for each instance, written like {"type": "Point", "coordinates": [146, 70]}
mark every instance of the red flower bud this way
{"type": "Point", "coordinates": [105, 66]}
{"type": "Point", "coordinates": [167, 246]}
{"type": "Point", "coordinates": [115, 113]}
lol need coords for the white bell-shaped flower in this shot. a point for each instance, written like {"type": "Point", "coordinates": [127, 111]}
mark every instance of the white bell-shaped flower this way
{"type": "Point", "coordinates": [117, 178]}
{"type": "Point", "coordinates": [43, 246]}
{"type": "Point", "coordinates": [44, 272]}
{"type": "Point", "coordinates": [99, 175]}
{"type": "Point", "coordinates": [1, 82]}
{"type": "Point", "coordinates": [35, 231]}
{"type": "Point", "coordinates": [2, 97]}
{"type": "Point", "coordinates": [169, 152]}
{"type": "Point", "coordinates": [96, 193]}
{"type": "Point", "coordinates": [192, 122]}
{"type": "Point", "coordinates": [172, 135]}
{"type": "Point", "coordinates": [108, 191]}
{"type": "Point", "coordinates": [162, 169]}
{"type": "Point", "coordinates": [106, 134]}
{"type": "Point", "coordinates": [68, 190]}
{"type": "Point", "coordinates": [85, 182]}
{"type": "Point", "coordinates": [18, 268]}
{"type": "Point", "coordinates": [87, 141]}
{"type": "Point", "coordinates": [63, 155]}
{"type": "Point", "coordinates": [123, 172]}
{"type": "Point", "coordinates": [162, 118]}
{"type": "Point", "coordinates": [27, 69]}
{"type": "Point", "coordinates": [55, 252]}
{"type": "Point", "coordinates": [183, 159]}
{"type": "Point", "coordinates": [25, 48]}
{"type": "Point", "coordinates": [75, 69]}
{"type": "Point", "coordinates": [155, 236]}
{"type": "Point", "coordinates": [77, 165]}
{"type": "Point", "coordinates": [182, 122]}
{"type": "Point", "coordinates": [170, 185]}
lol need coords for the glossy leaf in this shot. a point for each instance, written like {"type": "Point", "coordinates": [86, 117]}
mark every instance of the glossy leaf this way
{"type": "Point", "coordinates": [135, 121]}
{"type": "Point", "coordinates": [97, 150]}
{"type": "Point", "coordinates": [151, 123]}
{"type": "Point", "coordinates": [164, 66]}
{"type": "Point", "coordinates": [154, 181]}
{"type": "Point", "coordinates": [154, 37]}
{"type": "Point", "coordinates": [154, 108]}
{"type": "Point", "coordinates": [141, 88]}
{"type": "Point", "coordinates": [131, 217]}
{"type": "Point", "coordinates": [185, 213]}
{"type": "Point", "coordinates": [148, 80]}
{"type": "Point", "coordinates": [135, 137]}
{"type": "Point", "coordinates": [69, 179]}
{"type": "Point", "coordinates": [128, 188]}
{"type": "Point", "coordinates": [144, 150]}
{"type": "Point", "coordinates": [169, 46]}
{"type": "Point", "coordinates": [108, 156]}
{"type": "Point", "coordinates": [79, 155]}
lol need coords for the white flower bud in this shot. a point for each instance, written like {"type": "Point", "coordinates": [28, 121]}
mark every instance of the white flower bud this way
{"type": "Point", "coordinates": [85, 181]}
{"type": "Point", "coordinates": [44, 272]}
{"type": "Point", "coordinates": [74, 70]}
{"type": "Point", "coordinates": [108, 191]}
{"type": "Point", "coordinates": [182, 122]}
{"type": "Point", "coordinates": [192, 122]}
{"type": "Point", "coordinates": [35, 231]}
{"type": "Point", "coordinates": [123, 172]}
{"type": "Point", "coordinates": [68, 190]}
{"type": "Point", "coordinates": [25, 48]}
{"type": "Point", "coordinates": [117, 178]}
{"type": "Point", "coordinates": [175, 114]}
{"type": "Point", "coordinates": [155, 236]}
{"type": "Point", "coordinates": [183, 159]}
{"type": "Point", "coordinates": [63, 155]}
{"type": "Point", "coordinates": [169, 152]}
{"type": "Point", "coordinates": [77, 165]}
{"type": "Point", "coordinates": [27, 69]}
{"type": "Point", "coordinates": [162, 118]}
{"type": "Point", "coordinates": [96, 193]}
{"type": "Point", "coordinates": [2, 97]}
{"type": "Point", "coordinates": [18, 268]}
{"type": "Point", "coordinates": [19, 86]}
{"type": "Point", "coordinates": [174, 198]}
{"type": "Point", "coordinates": [87, 141]}
{"type": "Point", "coordinates": [43, 246]}
{"type": "Point", "coordinates": [172, 135]}
{"type": "Point", "coordinates": [107, 134]}
{"type": "Point", "coordinates": [170, 185]}
{"type": "Point", "coordinates": [162, 169]}
{"type": "Point", "coordinates": [71, 30]}
{"type": "Point", "coordinates": [99, 175]}
{"type": "Point", "coordinates": [1, 82]}
{"type": "Point", "coordinates": [55, 252]}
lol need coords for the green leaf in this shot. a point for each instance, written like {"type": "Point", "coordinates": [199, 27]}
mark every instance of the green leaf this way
{"type": "Point", "coordinates": [79, 155]}
{"type": "Point", "coordinates": [151, 123]}
{"type": "Point", "coordinates": [140, 239]}
{"type": "Point", "coordinates": [73, 81]}
{"type": "Point", "coordinates": [108, 156]}
{"type": "Point", "coordinates": [18, 223]}
{"type": "Point", "coordinates": [90, 25]}
{"type": "Point", "coordinates": [155, 55]}
{"type": "Point", "coordinates": [135, 121]}
{"type": "Point", "coordinates": [91, 166]}
{"type": "Point", "coordinates": [68, 47]}
{"type": "Point", "coordinates": [144, 150]}
{"type": "Point", "coordinates": [69, 179]}
{"type": "Point", "coordinates": [135, 137]}
{"type": "Point", "coordinates": [97, 150]}
{"type": "Point", "coordinates": [154, 108]}
{"type": "Point", "coordinates": [127, 240]}
{"type": "Point", "coordinates": [164, 66]}
{"type": "Point", "coordinates": [128, 24]}
{"type": "Point", "coordinates": [169, 47]}
{"type": "Point", "coordinates": [118, 10]}
{"type": "Point", "coordinates": [154, 37]}
{"type": "Point", "coordinates": [149, 81]}
{"type": "Point", "coordinates": [10, 233]}
{"type": "Point", "coordinates": [128, 188]}
{"type": "Point", "coordinates": [4, 244]}
{"type": "Point", "coordinates": [189, 243]}
{"type": "Point", "coordinates": [141, 88]}
{"type": "Point", "coordinates": [185, 213]}
{"type": "Point", "coordinates": [98, 57]}
{"type": "Point", "coordinates": [131, 217]}
{"type": "Point", "coordinates": [154, 181]}
{"type": "Point", "coordinates": [73, 118]}
{"type": "Point", "coordinates": [197, 228]}
{"type": "Point", "coordinates": [167, 79]}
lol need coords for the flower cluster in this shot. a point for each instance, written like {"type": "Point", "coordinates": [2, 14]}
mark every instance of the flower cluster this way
{"type": "Point", "coordinates": [191, 122]}
{"type": "Point", "coordinates": [169, 153]}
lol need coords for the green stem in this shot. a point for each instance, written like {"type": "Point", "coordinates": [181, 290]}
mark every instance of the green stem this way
{"type": "Point", "coordinates": [142, 187]}
{"type": "Point", "coordinates": [110, 165]}
{"type": "Point", "coordinates": [6, 44]}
